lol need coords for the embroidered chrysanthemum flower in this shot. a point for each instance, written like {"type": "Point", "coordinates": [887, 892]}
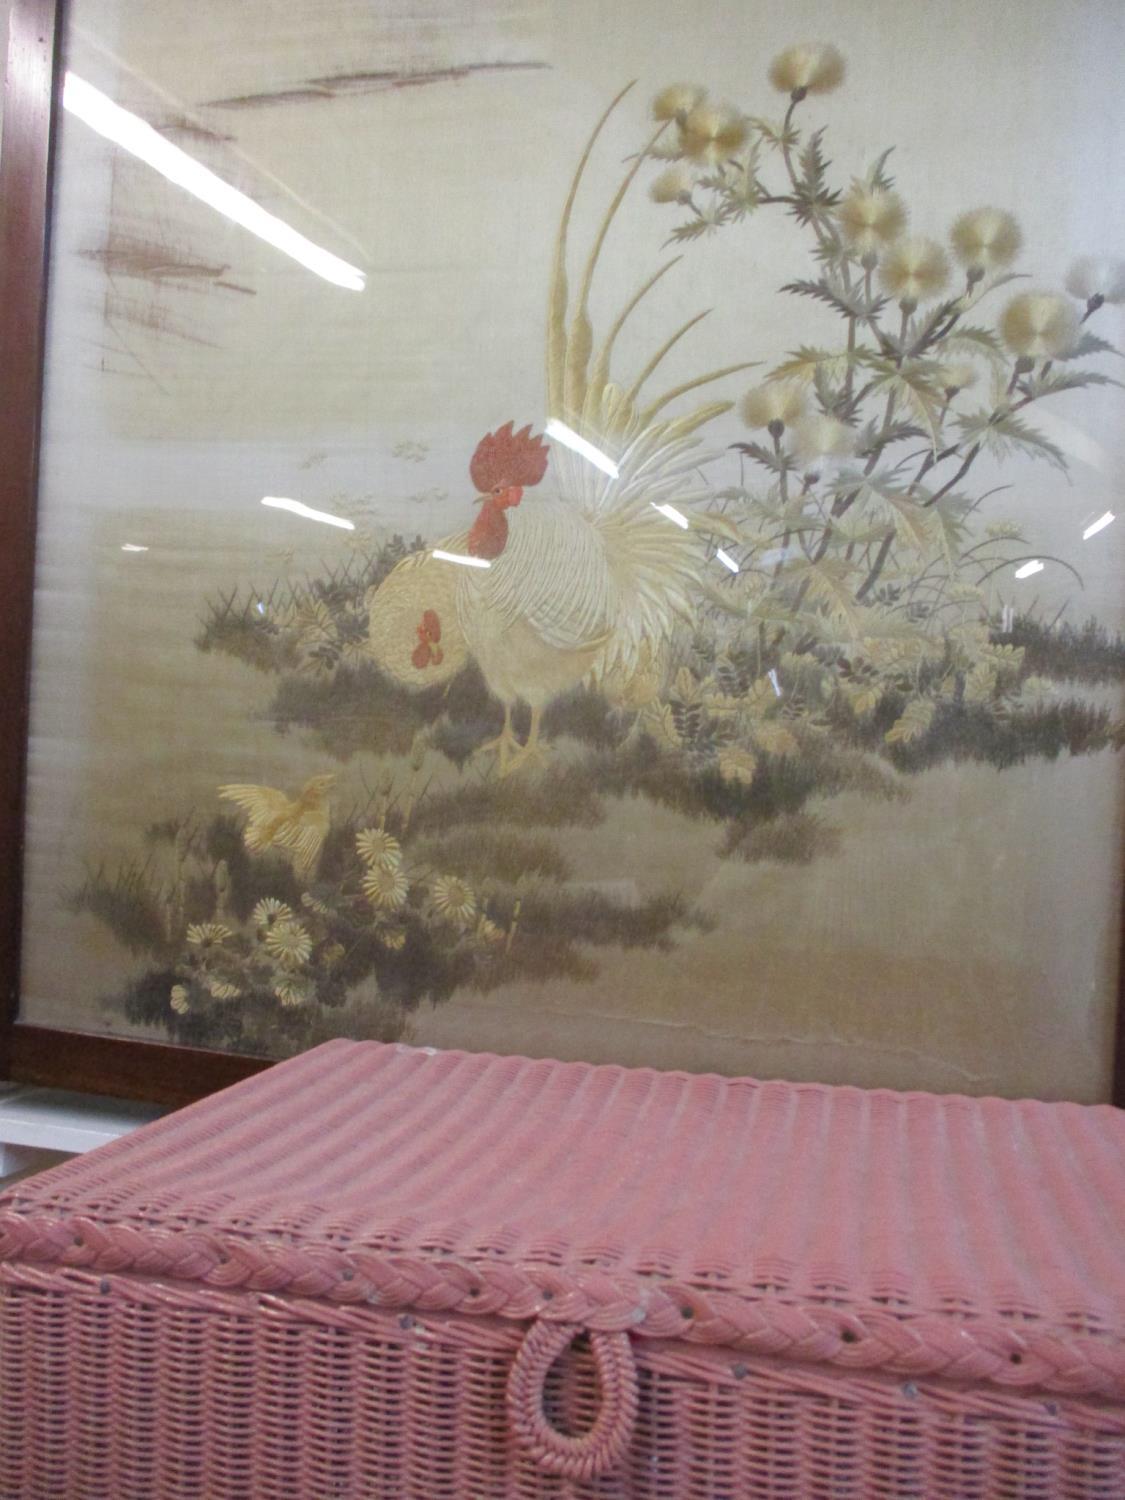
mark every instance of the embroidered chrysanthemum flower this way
{"type": "Point", "coordinates": [453, 898]}
{"type": "Point", "coordinates": [207, 935]}
{"type": "Point", "coordinates": [1039, 325]}
{"type": "Point", "coordinates": [377, 847]}
{"type": "Point", "coordinates": [677, 100]}
{"type": "Point", "coordinates": [1096, 279]}
{"type": "Point", "coordinates": [269, 910]}
{"type": "Point", "coordinates": [713, 132]}
{"type": "Point", "coordinates": [954, 377]}
{"type": "Point", "coordinates": [291, 991]}
{"type": "Point", "coordinates": [314, 903]}
{"type": "Point", "coordinates": [222, 989]}
{"type": "Point", "coordinates": [393, 938]}
{"type": "Point", "coordinates": [808, 68]}
{"type": "Point", "coordinates": [289, 943]}
{"type": "Point", "coordinates": [178, 1000]}
{"type": "Point", "coordinates": [488, 931]}
{"type": "Point", "coordinates": [780, 401]}
{"type": "Point", "coordinates": [387, 889]}
{"type": "Point", "coordinates": [913, 270]}
{"type": "Point", "coordinates": [985, 239]}
{"type": "Point", "coordinates": [871, 218]}
{"type": "Point", "coordinates": [820, 436]}
{"type": "Point", "coordinates": [674, 185]}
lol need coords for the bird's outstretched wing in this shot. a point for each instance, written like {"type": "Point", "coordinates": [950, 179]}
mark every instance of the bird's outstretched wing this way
{"type": "Point", "coordinates": [264, 806]}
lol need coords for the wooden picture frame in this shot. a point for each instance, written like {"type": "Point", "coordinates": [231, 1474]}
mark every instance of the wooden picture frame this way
{"type": "Point", "coordinates": [29, 1053]}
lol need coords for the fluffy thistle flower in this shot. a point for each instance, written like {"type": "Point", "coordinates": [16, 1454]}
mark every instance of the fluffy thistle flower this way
{"type": "Point", "coordinates": [808, 68]}
{"type": "Point", "coordinates": [781, 401]}
{"type": "Point", "coordinates": [1097, 280]}
{"type": "Point", "coordinates": [914, 269]}
{"type": "Point", "coordinates": [677, 100]}
{"type": "Point", "coordinates": [674, 185]}
{"type": "Point", "coordinates": [454, 899]}
{"type": "Point", "coordinates": [954, 377]}
{"type": "Point", "coordinates": [289, 943]}
{"type": "Point", "coordinates": [871, 218]}
{"type": "Point", "coordinates": [985, 239]}
{"type": "Point", "coordinates": [207, 935]}
{"type": "Point", "coordinates": [1039, 325]}
{"type": "Point", "coordinates": [376, 847]}
{"type": "Point", "coordinates": [819, 437]}
{"type": "Point", "coordinates": [712, 132]}
{"type": "Point", "coordinates": [178, 1000]}
{"type": "Point", "coordinates": [387, 889]}
{"type": "Point", "coordinates": [270, 911]}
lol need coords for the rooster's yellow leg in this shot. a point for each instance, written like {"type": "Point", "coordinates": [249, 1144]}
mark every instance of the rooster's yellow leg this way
{"type": "Point", "coordinates": [505, 744]}
{"type": "Point", "coordinates": [534, 752]}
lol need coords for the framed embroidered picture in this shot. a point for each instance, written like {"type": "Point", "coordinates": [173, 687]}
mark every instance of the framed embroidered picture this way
{"type": "Point", "coordinates": [588, 533]}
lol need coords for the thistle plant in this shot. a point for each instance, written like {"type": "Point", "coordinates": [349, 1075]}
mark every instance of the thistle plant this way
{"type": "Point", "coordinates": [857, 552]}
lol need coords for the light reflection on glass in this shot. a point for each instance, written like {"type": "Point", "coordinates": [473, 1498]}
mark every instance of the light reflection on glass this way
{"type": "Point", "coordinates": [299, 508]}
{"type": "Point", "coordinates": [132, 547]}
{"type": "Point", "coordinates": [1029, 568]}
{"type": "Point", "coordinates": [726, 560]}
{"type": "Point", "coordinates": [1099, 525]}
{"type": "Point", "coordinates": [460, 557]}
{"type": "Point", "coordinates": [128, 130]}
{"type": "Point", "coordinates": [570, 439]}
{"type": "Point", "coordinates": [673, 514]}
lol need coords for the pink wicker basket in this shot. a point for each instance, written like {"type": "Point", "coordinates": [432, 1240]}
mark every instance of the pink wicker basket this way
{"type": "Point", "coordinates": [377, 1271]}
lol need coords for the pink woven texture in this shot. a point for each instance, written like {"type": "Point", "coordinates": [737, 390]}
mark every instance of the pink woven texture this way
{"type": "Point", "coordinates": [905, 1294]}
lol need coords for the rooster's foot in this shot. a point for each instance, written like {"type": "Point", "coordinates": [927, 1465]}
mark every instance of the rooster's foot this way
{"type": "Point", "coordinates": [506, 746]}
{"type": "Point", "coordinates": [534, 753]}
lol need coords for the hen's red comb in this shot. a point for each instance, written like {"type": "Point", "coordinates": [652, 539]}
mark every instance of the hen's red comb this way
{"type": "Point", "coordinates": [505, 457]}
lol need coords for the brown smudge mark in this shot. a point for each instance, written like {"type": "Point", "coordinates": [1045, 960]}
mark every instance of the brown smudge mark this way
{"type": "Point", "coordinates": [152, 318]}
{"type": "Point", "coordinates": [126, 255]}
{"type": "Point", "coordinates": [339, 85]}
{"type": "Point", "coordinates": [188, 128]}
{"type": "Point", "coordinates": [233, 286]}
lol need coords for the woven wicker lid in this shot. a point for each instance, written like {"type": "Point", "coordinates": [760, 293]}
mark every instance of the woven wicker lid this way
{"type": "Point", "coordinates": [980, 1238]}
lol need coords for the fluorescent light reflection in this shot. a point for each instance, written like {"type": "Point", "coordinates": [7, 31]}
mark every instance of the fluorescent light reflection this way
{"type": "Point", "coordinates": [1099, 525]}
{"type": "Point", "coordinates": [563, 434]}
{"type": "Point", "coordinates": [460, 557]}
{"type": "Point", "coordinates": [128, 130]}
{"type": "Point", "coordinates": [299, 508]}
{"type": "Point", "coordinates": [673, 514]}
{"type": "Point", "coordinates": [132, 547]}
{"type": "Point", "coordinates": [726, 560]}
{"type": "Point", "coordinates": [1029, 568]}
{"type": "Point", "coordinates": [772, 675]}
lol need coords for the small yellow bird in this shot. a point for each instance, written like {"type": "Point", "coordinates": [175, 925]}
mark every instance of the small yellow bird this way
{"type": "Point", "coordinates": [274, 821]}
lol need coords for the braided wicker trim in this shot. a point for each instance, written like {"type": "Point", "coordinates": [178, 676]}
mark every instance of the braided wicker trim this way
{"type": "Point", "coordinates": [985, 1349]}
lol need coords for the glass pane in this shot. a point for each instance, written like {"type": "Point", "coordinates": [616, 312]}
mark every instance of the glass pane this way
{"type": "Point", "coordinates": [430, 646]}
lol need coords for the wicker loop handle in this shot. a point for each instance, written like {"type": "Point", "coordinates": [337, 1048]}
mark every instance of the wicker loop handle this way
{"type": "Point", "coordinates": [600, 1449]}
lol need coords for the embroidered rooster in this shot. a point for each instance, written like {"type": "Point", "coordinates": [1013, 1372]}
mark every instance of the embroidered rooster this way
{"type": "Point", "coordinates": [586, 579]}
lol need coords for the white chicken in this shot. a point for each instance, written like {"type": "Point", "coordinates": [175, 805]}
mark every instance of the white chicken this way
{"type": "Point", "coordinates": [586, 581]}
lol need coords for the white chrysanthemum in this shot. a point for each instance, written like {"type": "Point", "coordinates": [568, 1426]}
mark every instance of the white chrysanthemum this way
{"type": "Point", "coordinates": [387, 889]}
{"type": "Point", "coordinates": [291, 990]}
{"type": "Point", "coordinates": [453, 898]}
{"type": "Point", "coordinates": [820, 437]}
{"type": "Point", "coordinates": [713, 132]}
{"type": "Point", "coordinates": [377, 847]}
{"type": "Point", "coordinates": [1097, 279]}
{"type": "Point", "coordinates": [871, 218]}
{"type": "Point", "coordinates": [289, 943]}
{"type": "Point", "coordinates": [778, 401]}
{"type": "Point", "coordinates": [222, 989]}
{"type": "Point", "coordinates": [808, 68]}
{"type": "Point", "coordinates": [207, 935]}
{"type": "Point", "coordinates": [674, 185]}
{"type": "Point", "coordinates": [393, 938]}
{"type": "Point", "coordinates": [1039, 325]}
{"type": "Point", "coordinates": [178, 1000]}
{"type": "Point", "coordinates": [488, 931]}
{"type": "Point", "coordinates": [269, 910]}
{"type": "Point", "coordinates": [986, 239]}
{"type": "Point", "coordinates": [955, 376]}
{"type": "Point", "coordinates": [914, 269]}
{"type": "Point", "coordinates": [677, 100]}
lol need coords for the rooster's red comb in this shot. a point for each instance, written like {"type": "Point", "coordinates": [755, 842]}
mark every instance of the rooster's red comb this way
{"type": "Point", "coordinates": [505, 457]}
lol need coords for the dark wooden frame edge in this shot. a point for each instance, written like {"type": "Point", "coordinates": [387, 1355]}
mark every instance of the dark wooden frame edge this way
{"type": "Point", "coordinates": [68, 1059]}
